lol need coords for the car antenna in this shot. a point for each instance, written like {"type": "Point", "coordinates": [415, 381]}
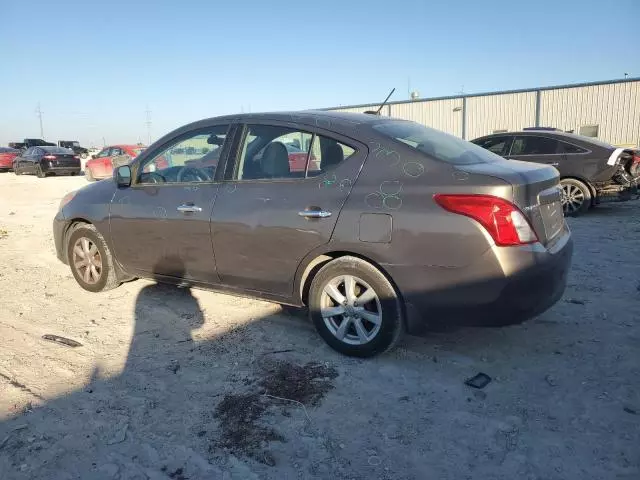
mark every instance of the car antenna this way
{"type": "Point", "coordinates": [377, 112]}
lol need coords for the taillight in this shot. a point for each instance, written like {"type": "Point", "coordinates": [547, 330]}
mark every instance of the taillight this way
{"type": "Point", "coordinates": [49, 157]}
{"type": "Point", "coordinates": [502, 219]}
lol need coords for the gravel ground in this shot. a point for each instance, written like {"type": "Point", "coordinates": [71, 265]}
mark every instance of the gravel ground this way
{"type": "Point", "coordinates": [180, 384]}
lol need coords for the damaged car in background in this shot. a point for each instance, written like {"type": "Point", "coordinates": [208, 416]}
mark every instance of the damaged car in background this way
{"type": "Point", "coordinates": [591, 171]}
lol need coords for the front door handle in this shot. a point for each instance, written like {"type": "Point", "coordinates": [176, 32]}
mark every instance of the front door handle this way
{"type": "Point", "coordinates": [189, 208]}
{"type": "Point", "coordinates": [314, 213]}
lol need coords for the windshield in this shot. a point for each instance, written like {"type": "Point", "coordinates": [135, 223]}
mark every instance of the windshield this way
{"type": "Point", "coordinates": [59, 150]}
{"type": "Point", "coordinates": [436, 144]}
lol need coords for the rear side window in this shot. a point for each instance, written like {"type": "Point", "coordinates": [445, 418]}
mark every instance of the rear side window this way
{"type": "Point", "coordinates": [570, 148]}
{"type": "Point", "coordinates": [436, 144]}
{"type": "Point", "coordinates": [535, 146]}
{"type": "Point", "coordinates": [497, 145]}
{"type": "Point", "coordinates": [275, 152]}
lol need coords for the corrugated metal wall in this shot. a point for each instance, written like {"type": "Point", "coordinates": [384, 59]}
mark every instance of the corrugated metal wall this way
{"type": "Point", "coordinates": [510, 112]}
{"type": "Point", "coordinates": [614, 108]}
{"type": "Point", "coordinates": [445, 115]}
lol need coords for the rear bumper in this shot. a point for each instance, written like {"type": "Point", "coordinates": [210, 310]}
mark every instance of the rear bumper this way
{"type": "Point", "coordinates": [62, 170]}
{"type": "Point", "coordinates": [507, 285]}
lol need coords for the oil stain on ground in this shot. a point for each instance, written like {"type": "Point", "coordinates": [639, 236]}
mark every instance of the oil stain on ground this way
{"type": "Point", "coordinates": [239, 414]}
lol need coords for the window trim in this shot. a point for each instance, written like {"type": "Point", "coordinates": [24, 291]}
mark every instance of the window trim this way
{"type": "Point", "coordinates": [304, 128]}
{"type": "Point", "coordinates": [586, 150]}
{"type": "Point", "coordinates": [148, 153]}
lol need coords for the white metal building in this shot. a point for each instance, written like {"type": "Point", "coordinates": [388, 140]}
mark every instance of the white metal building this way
{"type": "Point", "coordinates": [608, 110]}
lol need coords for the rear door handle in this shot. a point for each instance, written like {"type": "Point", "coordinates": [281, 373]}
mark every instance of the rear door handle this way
{"type": "Point", "coordinates": [314, 213]}
{"type": "Point", "coordinates": [189, 208]}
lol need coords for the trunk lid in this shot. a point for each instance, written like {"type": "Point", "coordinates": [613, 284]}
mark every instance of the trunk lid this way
{"type": "Point", "coordinates": [65, 160]}
{"type": "Point", "coordinates": [536, 191]}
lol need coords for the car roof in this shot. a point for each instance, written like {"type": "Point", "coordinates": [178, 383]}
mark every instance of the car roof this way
{"type": "Point", "coordinates": [339, 122]}
{"type": "Point", "coordinates": [554, 133]}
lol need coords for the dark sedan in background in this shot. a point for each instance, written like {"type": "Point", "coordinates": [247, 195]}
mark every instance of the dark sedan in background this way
{"type": "Point", "coordinates": [401, 226]}
{"type": "Point", "coordinates": [591, 171]}
{"type": "Point", "coordinates": [44, 160]}
{"type": "Point", "coordinates": [7, 156]}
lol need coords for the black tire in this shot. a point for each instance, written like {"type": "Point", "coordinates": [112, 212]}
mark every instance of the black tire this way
{"type": "Point", "coordinates": [576, 197]}
{"type": "Point", "coordinates": [391, 323]}
{"type": "Point", "coordinates": [108, 278]}
{"type": "Point", "coordinates": [16, 170]}
{"type": "Point", "coordinates": [89, 175]}
{"type": "Point", "coordinates": [39, 172]}
{"type": "Point", "coordinates": [84, 155]}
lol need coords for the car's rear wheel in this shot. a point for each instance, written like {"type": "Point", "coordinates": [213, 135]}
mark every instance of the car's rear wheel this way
{"type": "Point", "coordinates": [16, 169]}
{"type": "Point", "coordinates": [354, 308]}
{"type": "Point", "coordinates": [84, 155]}
{"type": "Point", "coordinates": [576, 197]}
{"type": "Point", "coordinates": [90, 259]}
{"type": "Point", "coordinates": [88, 175]}
{"type": "Point", "coordinates": [39, 172]}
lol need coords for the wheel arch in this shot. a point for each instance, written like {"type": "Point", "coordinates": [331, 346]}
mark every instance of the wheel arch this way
{"type": "Point", "coordinates": [78, 221]}
{"type": "Point", "coordinates": [313, 266]}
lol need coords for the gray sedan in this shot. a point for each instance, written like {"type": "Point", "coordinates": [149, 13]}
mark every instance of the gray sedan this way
{"type": "Point", "coordinates": [401, 226]}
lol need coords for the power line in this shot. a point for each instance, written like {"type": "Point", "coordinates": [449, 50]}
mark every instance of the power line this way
{"type": "Point", "coordinates": [148, 124]}
{"type": "Point", "coordinates": [39, 113]}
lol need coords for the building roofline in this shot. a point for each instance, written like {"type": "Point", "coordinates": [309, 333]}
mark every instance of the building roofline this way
{"type": "Point", "coordinates": [486, 94]}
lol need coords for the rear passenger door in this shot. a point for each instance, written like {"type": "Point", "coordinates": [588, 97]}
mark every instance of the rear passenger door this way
{"type": "Point", "coordinates": [277, 206]}
{"type": "Point", "coordinates": [531, 148]}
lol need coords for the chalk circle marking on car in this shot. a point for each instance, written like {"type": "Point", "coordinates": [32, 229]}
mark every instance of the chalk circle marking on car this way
{"type": "Point", "coordinates": [328, 181]}
{"type": "Point", "coordinates": [413, 169]}
{"type": "Point", "coordinates": [160, 212]}
{"type": "Point", "coordinates": [387, 199]}
{"type": "Point", "coordinates": [460, 176]}
{"type": "Point", "coordinates": [345, 184]}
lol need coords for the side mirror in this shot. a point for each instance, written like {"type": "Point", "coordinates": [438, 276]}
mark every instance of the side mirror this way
{"type": "Point", "coordinates": [123, 176]}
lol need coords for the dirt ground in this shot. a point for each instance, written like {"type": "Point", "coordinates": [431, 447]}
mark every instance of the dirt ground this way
{"type": "Point", "coordinates": [176, 384]}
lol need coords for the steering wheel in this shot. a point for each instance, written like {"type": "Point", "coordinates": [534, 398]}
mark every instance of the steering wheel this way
{"type": "Point", "coordinates": [197, 173]}
{"type": "Point", "coordinates": [154, 177]}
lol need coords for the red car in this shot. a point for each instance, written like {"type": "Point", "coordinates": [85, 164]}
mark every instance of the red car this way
{"type": "Point", "coordinates": [101, 165]}
{"type": "Point", "coordinates": [7, 156]}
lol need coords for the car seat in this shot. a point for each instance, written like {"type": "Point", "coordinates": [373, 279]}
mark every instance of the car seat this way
{"type": "Point", "coordinates": [331, 156]}
{"type": "Point", "coordinates": [275, 161]}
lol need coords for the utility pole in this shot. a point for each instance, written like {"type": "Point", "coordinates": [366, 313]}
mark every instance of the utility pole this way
{"type": "Point", "coordinates": [39, 113]}
{"type": "Point", "coordinates": [148, 124]}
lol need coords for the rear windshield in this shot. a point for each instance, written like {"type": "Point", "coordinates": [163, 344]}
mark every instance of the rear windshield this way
{"type": "Point", "coordinates": [437, 144]}
{"type": "Point", "coordinates": [59, 150]}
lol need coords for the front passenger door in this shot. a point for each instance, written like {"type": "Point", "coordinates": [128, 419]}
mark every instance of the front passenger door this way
{"type": "Point", "coordinates": [160, 225]}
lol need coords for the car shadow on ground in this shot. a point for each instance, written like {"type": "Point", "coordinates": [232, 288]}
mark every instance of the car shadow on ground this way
{"type": "Point", "coordinates": [267, 399]}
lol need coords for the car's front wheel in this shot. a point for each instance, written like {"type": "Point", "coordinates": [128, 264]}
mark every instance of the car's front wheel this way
{"type": "Point", "coordinates": [576, 197]}
{"type": "Point", "coordinates": [355, 308]}
{"type": "Point", "coordinates": [90, 259]}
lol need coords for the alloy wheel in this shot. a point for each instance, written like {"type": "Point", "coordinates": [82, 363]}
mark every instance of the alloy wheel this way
{"type": "Point", "coordinates": [351, 310]}
{"type": "Point", "coordinates": [87, 260]}
{"type": "Point", "coordinates": [572, 198]}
